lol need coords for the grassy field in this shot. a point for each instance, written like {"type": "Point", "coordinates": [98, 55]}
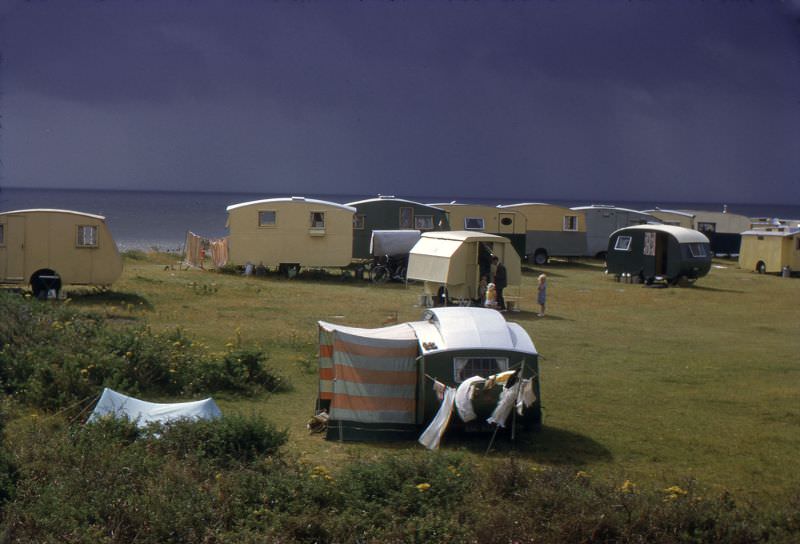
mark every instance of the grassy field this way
{"type": "Point", "coordinates": [655, 385]}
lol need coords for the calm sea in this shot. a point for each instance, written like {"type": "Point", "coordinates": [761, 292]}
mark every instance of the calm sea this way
{"type": "Point", "coordinates": [160, 219]}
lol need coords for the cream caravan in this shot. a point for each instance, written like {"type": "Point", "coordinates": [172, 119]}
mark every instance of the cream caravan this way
{"type": "Point", "coordinates": [490, 219]}
{"type": "Point", "coordinates": [290, 233]}
{"type": "Point", "coordinates": [50, 248]}
{"type": "Point", "coordinates": [551, 230]}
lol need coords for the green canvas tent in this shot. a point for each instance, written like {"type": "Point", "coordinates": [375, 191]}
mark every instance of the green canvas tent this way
{"type": "Point", "coordinates": [377, 384]}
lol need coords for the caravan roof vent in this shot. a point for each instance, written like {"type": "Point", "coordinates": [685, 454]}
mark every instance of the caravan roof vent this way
{"type": "Point", "coordinates": [386, 196]}
{"type": "Point", "coordinates": [298, 198]}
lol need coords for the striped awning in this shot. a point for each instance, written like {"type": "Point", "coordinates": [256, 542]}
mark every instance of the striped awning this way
{"type": "Point", "coordinates": [369, 379]}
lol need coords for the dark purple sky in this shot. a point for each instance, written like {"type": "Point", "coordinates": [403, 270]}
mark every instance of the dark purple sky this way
{"type": "Point", "coordinates": [530, 100]}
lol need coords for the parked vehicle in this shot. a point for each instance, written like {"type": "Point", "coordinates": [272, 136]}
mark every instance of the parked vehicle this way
{"type": "Point", "coordinates": [602, 220]}
{"type": "Point", "coordinates": [47, 249]}
{"type": "Point", "coordinates": [550, 230]}
{"type": "Point", "coordinates": [391, 213]}
{"type": "Point", "coordinates": [289, 233]}
{"type": "Point", "coordinates": [658, 253]}
{"type": "Point", "coordinates": [774, 249]}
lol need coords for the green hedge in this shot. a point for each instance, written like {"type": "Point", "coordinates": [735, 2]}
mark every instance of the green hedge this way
{"type": "Point", "coordinates": [52, 357]}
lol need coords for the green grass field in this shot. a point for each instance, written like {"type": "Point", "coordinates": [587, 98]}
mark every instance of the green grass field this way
{"type": "Point", "coordinates": [654, 385]}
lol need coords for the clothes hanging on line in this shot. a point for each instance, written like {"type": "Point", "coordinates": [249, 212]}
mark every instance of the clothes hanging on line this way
{"type": "Point", "coordinates": [432, 436]}
{"type": "Point", "coordinates": [464, 395]}
{"type": "Point", "coordinates": [504, 406]}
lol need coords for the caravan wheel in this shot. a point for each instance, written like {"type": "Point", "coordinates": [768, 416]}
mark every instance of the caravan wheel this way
{"type": "Point", "coordinates": [44, 283]}
{"type": "Point", "coordinates": [540, 257]}
{"type": "Point", "coordinates": [761, 268]}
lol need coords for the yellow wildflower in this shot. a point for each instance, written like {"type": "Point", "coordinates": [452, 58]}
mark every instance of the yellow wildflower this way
{"type": "Point", "coordinates": [628, 487]}
{"type": "Point", "coordinates": [674, 493]}
{"type": "Point", "coordinates": [581, 474]}
{"type": "Point", "coordinates": [423, 487]}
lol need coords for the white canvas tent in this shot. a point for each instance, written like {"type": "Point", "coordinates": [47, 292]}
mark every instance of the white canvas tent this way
{"type": "Point", "coordinates": [452, 260]}
{"type": "Point", "coordinates": [143, 412]}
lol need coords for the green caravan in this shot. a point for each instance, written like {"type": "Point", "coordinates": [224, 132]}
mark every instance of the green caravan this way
{"type": "Point", "coordinates": [391, 213]}
{"type": "Point", "coordinates": [658, 253]}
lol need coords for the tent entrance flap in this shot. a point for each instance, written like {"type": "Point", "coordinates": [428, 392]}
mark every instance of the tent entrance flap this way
{"type": "Point", "coordinates": [371, 383]}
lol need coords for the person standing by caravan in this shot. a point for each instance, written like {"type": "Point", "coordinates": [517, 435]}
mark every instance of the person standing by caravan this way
{"type": "Point", "coordinates": [541, 296]}
{"type": "Point", "coordinates": [500, 281]}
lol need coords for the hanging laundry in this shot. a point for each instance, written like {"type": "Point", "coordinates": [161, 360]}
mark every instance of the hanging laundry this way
{"type": "Point", "coordinates": [527, 396]}
{"type": "Point", "coordinates": [219, 252]}
{"type": "Point", "coordinates": [432, 436]}
{"type": "Point", "coordinates": [439, 387]}
{"type": "Point", "coordinates": [464, 395]}
{"type": "Point", "coordinates": [504, 406]}
{"type": "Point", "coordinates": [504, 376]}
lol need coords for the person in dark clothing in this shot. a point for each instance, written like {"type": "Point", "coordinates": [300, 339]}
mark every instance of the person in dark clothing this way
{"type": "Point", "coordinates": [500, 281]}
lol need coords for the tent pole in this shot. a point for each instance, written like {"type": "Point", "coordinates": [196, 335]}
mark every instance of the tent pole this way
{"type": "Point", "coordinates": [496, 428]}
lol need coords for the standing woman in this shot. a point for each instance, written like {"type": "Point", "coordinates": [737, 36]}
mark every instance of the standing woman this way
{"type": "Point", "coordinates": [541, 296]}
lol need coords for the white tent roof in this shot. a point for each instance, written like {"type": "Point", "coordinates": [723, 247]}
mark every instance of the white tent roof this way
{"type": "Point", "coordinates": [453, 328]}
{"type": "Point", "coordinates": [460, 328]}
{"type": "Point", "coordinates": [143, 412]}
{"type": "Point", "coordinates": [682, 234]}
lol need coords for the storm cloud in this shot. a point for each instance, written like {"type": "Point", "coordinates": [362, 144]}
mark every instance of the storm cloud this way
{"type": "Point", "coordinates": [619, 100]}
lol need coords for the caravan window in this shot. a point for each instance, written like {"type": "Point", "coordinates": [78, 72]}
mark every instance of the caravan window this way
{"type": "Point", "coordinates": [317, 220]}
{"type": "Point", "coordinates": [87, 236]}
{"type": "Point", "coordinates": [423, 222]}
{"type": "Point", "coordinates": [698, 250]}
{"type": "Point", "coordinates": [623, 243]}
{"type": "Point", "coordinates": [406, 217]}
{"type": "Point", "coordinates": [473, 223]}
{"type": "Point", "coordinates": [466, 367]}
{"type": "Point", "coordinates": [358, 221]}
{"type": "Point", "coordinates": [707, 227]}
{"type": "Point", "coordinates": [2, 235]}
{"type": "Point", "coordinates": [267, 218]}
{"type": "Point", "coordinates": [570, 222]}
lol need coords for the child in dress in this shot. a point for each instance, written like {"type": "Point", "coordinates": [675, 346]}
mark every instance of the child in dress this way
{"type": "Point", "coordinates": [491, 296]}
{"type": "Point", "coordinates": [541, 296]}
{"type": "Point", "coordinates": [482, 289]}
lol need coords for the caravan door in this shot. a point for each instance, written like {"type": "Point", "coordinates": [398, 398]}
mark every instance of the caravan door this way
{"type": "Point", "coordinates": [15, 249]}
{"type": "Point", "coordinates": [506, 223]}
{"type": "Point", "coordinates": [655, 254]}
{"type": "Point", "coordinates": [649, 255]}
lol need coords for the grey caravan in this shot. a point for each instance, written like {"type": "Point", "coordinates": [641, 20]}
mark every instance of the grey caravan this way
{"type": "Point", "coordinates": [602, 220]}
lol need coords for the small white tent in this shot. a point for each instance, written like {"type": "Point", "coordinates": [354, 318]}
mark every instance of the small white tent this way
{"type": "Point", "coordinates": [143, 412]}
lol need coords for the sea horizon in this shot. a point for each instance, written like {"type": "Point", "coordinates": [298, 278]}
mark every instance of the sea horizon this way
{"type": "Point", "coordinates": [159, 219]}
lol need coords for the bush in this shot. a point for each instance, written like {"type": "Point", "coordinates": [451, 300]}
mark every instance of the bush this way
{"type": "Point", "coordinates": [231, 439]}
{"type": "Point", "coordinates": [242, 370]}
{"type": "Point", "coordinates": [227, 481]}
{"type": "Point", "coordinates": [53, 357]}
